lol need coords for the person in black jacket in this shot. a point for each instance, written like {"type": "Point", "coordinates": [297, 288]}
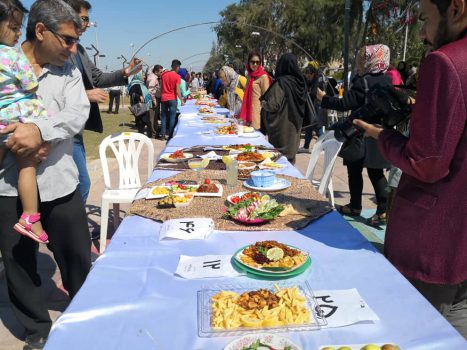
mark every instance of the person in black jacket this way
{"type": "Point", "coordinates": [372, 63]}
{"type": "Point", "coordinates": [94, 81]}
{"type": "Point", "coordinates": [284, 107]}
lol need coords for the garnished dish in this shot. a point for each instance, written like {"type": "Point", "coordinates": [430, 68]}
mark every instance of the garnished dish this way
{"type": "Point", "coordinates": [176, 157]}
{"type": "Point", "coordinates": [160, 191]}
{"type": "Point", "coordinates": [244, 174]}
{"type": "Point", "coordinates": [262, 341]}
{"type": "Point", "coordinates": [245, 147]}
{"type": "Point", "coordinates": [272, 256]}
{"type": "Point", "coordinates": [259, 308]}
{"type": "Point", "coordinates": [241, 196]}
{"type": "Point", "coordinates": [250, 157]}
{"type": "Point", "coordinates": [254, 211]}
{"type": "Point", "coordinates": [226, 130]}
{"type": "Point", "coordinates": [208, 187]}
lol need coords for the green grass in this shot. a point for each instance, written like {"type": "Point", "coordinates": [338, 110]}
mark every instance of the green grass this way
{"type": "Point", "coordinates": [113, 124]}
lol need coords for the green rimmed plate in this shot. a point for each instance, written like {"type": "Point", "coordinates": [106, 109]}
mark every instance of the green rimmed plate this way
{"type": "Point", "coordinates": [273, 272]}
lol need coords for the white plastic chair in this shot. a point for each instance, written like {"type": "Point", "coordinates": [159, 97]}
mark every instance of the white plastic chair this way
{"type": "Point", "coordinates": [327, 144]}
{"type": "Point", "coordinates": [126, 147]}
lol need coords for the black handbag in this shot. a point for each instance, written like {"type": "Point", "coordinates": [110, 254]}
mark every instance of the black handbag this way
{"type": "Point", "coordinates": [353, 150]}
{"type": "Point", "coordinates": [139, 109]}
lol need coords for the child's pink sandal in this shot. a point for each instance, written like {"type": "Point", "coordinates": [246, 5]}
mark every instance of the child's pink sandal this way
{"type": "Point", "coordinates": [26, 230]}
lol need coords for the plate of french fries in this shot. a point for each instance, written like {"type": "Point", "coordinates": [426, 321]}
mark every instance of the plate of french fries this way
{"type": "Point", "coordinates": [228, 310]}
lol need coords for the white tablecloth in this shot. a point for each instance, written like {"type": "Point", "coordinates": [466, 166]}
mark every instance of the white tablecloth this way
{"type": "Point", "coordinates": [132, 300]}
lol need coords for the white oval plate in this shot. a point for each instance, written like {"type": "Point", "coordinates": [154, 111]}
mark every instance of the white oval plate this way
{"type": "Point", "coordinates": [177, 160]}
{"type": "Point", "coordinates": [239, 194]}
{"type": "Point", "coordinates": [250, 135]}
{"type": "Point", "coordinates": [273, 340]}
{"type": "Point", "coordinates": [279, 185]}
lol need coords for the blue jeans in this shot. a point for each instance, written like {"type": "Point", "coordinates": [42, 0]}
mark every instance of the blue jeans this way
{"type": "Point", "coordinates": [168, 113]}
{"type": "Point", "coordinates": [79, 156]}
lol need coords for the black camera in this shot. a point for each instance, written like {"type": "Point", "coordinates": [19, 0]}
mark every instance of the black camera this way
{"type": "Point", "coordinates": [385, 105]}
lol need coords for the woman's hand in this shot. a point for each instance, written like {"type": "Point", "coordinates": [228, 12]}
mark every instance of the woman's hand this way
{"type": "Point", "coordinates": [320, 94]}
{"type": "Point", "coordinates": [370, 129]}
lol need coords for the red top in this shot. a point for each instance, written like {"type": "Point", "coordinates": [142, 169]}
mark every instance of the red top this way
{"type": "Point", "coordinates": [395, 76]}
{"type": "Point", "coordinates": [169, 80]}
{"type": "Point", "coordinates": [426, 238]}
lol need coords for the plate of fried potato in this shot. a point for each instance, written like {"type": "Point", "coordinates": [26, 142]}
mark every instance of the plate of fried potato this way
{"type": "Point", "coordinates": [227, 310]}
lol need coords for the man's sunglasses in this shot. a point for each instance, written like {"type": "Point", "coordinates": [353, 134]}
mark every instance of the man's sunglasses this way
{"type": "Point", "coordinates": [85, 19]}
{"type": "Point", "coordinates": [68, 40]}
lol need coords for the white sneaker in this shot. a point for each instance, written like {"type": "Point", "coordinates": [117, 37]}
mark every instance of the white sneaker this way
{"type": "Point", "coordinates": [303, 150]}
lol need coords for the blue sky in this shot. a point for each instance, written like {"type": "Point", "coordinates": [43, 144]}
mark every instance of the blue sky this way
{"type": "Point", "coordinates": [123, 22]}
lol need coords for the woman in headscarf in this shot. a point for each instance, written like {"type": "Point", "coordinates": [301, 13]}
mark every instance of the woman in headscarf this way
{"type": "Point", "coordinates": [372, 64]}
{"type": "Point", "coordinates": [284, 106]}
{"type": "Point", "coordinates": [234, 85]}
{"type": "Point", "coordinates": [258, 83]}
{"type": "Point", "coordinates": [139, 93]}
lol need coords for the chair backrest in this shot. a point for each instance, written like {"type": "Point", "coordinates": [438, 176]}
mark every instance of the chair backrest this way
{"type": "Point", "coordinates": [330, 147]}
{"type": "Point", "coordinates": [316, 151]}
{"type": "Point", "coordinates": [126, 147]}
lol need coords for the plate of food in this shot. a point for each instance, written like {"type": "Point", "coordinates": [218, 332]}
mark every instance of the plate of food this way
{"type": "Point", "coordinates": [250, 157]}
{"type": "Point", "coordinates": [229, 130]}
{"type": "Point", "coordinates": [262, 341]}
{"type": "Point", "coordinates": [170, 188]}
{"type": "Point", "coordinates": [250, 132]}
{"type": "Point", "coordinates": [378, 346]}
{"type": "Point", "coordinates": [254, 210]}
{"type": "Point", "coordinates": [176, 200]}
{"type": "Point", "coordinates": [241, 196]}
{"type": "Point", "coordinates": [269, 164]}
{"type": "Point", "coordinates": [209, 189]}
{"type": "Point", "coordinates": [246, 165]}
{"type": "Point", "coordinates": [279, 185]}
{"type": "Point", "coordinates": [176, 157]}
{"type": "Point", "coordinates": [273, 307]}
{"type": "Point", "coordinates": [272, 257]}
{"type": "Point", "coordinates": [245, 147]}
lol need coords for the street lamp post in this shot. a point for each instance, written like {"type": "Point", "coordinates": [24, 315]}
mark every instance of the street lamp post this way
{"type": "Point", "coordinates": [96, 54]}
{"type": "Point", "coordinates": [94, 25]}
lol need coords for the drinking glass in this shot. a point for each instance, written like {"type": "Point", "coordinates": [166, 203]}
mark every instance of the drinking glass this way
{"type": "Point", "coordinates": [198, 164]}
{"type": "Point", "coordinates": [232, 173]}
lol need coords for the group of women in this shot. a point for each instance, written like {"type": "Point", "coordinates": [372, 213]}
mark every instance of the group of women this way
{"type": "Point", "coordinates": [279, 108]}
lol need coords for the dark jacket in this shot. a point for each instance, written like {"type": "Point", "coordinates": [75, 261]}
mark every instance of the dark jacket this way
{"type": "Point", "coordinates": [93, 77]}
{"type": "Point", "coordinates": [281, 131]}
{"type": "Point", "coordinates": [352, 100]}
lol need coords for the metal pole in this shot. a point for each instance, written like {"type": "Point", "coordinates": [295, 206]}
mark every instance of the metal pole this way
{"type": "Point", "coordinates": [348, 4]}
{"type": "Point", "coordinates": [406, 34]}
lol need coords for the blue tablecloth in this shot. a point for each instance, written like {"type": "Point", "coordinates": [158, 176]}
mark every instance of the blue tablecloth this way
{"type": "Point", "coordinates": [132, 300]}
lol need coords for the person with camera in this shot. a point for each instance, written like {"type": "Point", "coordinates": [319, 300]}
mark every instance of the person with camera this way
{"type": "Point", "coordinates": [426, 237]}
{"type": "Point", "coordinates": [372, 64]}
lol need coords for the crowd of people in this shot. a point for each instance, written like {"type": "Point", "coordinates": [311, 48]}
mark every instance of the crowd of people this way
{"type": "Point", "coordinates": [50, 91]}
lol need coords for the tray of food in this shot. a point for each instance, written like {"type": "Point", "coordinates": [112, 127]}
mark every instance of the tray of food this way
{"type": "Point", "coordinates": [274, 307]}
{"type": "Point", "coordinates": [262, 341]}
{"type": "Point", "coordinates": [250, 157]}
{"type": "Point", "coordinates": [176, 157]}
{"type": "Point", "coordinates": [207, 189]}
{"type": "Point", "coordinates": [244, 147]}
{"type": "Point", "coordinates": [271, 258]}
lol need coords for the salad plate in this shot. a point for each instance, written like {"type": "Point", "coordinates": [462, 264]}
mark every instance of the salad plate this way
{"type": "Point", "coordinates": [262, 341]}
{"type": "Point", "coordinates": [180, 157]}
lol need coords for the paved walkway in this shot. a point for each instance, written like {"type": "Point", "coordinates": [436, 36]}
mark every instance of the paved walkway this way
{"type": "Point", "coordinates": [11, 332]}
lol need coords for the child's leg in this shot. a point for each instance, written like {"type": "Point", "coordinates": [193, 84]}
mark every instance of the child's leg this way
{"type": "Point", "coordinates": [27, 189]}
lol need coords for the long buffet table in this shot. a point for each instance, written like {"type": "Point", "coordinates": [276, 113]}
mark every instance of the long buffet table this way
{"type": "Point", "coordinates": [132, 299]}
